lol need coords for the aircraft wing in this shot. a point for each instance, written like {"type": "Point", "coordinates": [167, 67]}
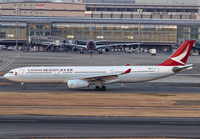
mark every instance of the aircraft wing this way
{"type": "Point", "coordinates": [101, 41]}
{"type": "Point", "coordinates": [109, 45]}
{"type": "Point", "coordinates": [81, 46]}
{"type": "Point", "coordinates": [95, 41]}
{"type": "Point", "coordinates": [106, 77]}
{"type": "Point", "coordinates": [68, 44]}
{"type": "Point", "coordinates": [55, 43]}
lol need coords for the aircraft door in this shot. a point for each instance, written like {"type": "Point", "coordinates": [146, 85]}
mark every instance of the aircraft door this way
{"type": "Point", "coordinates": [56, 73]}
{"type": "Point", "coordinates": [156, 71]}
{"type": "Point", "coordinates": [21, 72]}
{"type": "Point", "coordinates": [111, 71]}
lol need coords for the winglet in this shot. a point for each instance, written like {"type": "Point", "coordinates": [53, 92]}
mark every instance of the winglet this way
{"type": "Point", "coordinates": [179, 58]}
{"type": "Point", "coordinates": [127, 71]}
{"type": "Point", "coordinates": [127, 64]}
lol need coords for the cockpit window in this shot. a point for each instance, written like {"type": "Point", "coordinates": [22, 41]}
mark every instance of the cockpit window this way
{"type": "Point", "coordinates": [11, 72]}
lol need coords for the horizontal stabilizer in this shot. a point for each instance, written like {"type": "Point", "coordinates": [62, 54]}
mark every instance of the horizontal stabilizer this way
{"type": "Point", "coordinates": [180, 69]}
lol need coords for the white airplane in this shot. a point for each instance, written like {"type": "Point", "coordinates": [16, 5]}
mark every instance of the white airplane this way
{"type": "Point", "coordinates": [84, 76]}
{"type": "Point", "coordinates": [90, 45]}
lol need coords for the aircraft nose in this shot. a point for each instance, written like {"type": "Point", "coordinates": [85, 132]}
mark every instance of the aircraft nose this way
{"type": "Point", "coordinates": [5, 75]}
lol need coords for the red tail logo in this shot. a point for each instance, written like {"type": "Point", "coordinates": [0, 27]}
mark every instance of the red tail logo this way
{"type": "Point", "coordinates": [179, 58]}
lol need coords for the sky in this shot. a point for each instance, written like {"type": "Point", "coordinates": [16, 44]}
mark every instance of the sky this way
{"type": "Point", "coordinates": [168, 1]}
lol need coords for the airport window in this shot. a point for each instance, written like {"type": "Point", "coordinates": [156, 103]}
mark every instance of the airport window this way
{"type": "Point", "coordinates": [2, 35]}
{"type": "Point", "coordinates": [54, 26]}
{"type": "Point", "coordinates": [32, 33]}
{"type": "Point", "coordinates": [47, 27]}
{"type": "Point", "coordinates": [67, 26]}
{"type": "Point", "coordinates": [39, 26]}
{"type": "Point", "coordinates": [105, 27]}
{"type": "Point", "coordinates": [37, 33]}
{"type": "Point", "coordinates": [47, 33]}
{"type": "Point", "coordinates": [82, 27]}
{"type": "Point", "coordinates": [98, 27]}
{"type": "Point", "coordinates": [8, 30]}
{"type": "Point", "coordinates": [118, 27]}
{"type": "Point", "coordinates": [32, 27]}
{"type": "Point", "coordinates": [117, 32]}
{"type": "Point", "coordinates": [124, 27]}
{"type": "Point", "coordinates": [186, 29]}
{"type": "Point", "coordinates": [194, 30]}
{"type": "Point", "coordinates": [62, 26]}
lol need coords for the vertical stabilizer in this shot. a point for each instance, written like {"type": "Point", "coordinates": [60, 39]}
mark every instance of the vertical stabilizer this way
{"type": "Point", "coordinates": [91, 32]}
{"type": "Point", "coordinates": [180, 56]}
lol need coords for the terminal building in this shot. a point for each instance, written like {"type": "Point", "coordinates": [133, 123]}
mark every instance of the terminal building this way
{"type": "Point", "coordinates": [162, 26]}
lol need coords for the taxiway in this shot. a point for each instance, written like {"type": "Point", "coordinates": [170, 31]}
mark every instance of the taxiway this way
{"type": "Point", "coordinates": [98, 127]}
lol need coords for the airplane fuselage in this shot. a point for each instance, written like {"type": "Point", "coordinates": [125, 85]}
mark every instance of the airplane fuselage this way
{"type": "Point", "coordinates": [62, 74]}
{"type": "Point", "coordinates": [91, 45]}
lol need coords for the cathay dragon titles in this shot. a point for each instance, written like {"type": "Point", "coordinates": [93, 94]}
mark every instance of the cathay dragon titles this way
{"type": "Point", "coordinates": [84, 76]}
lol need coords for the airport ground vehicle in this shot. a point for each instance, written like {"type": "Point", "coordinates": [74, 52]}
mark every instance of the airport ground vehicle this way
{"type": "Point", "coordinates": [152, 51]}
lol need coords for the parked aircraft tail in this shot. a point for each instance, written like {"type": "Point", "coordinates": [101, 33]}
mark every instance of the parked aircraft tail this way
{"type": "Point", "coordinates": [180, 56]}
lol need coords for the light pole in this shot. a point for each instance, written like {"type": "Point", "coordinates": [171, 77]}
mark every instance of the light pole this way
{"type": "Point", "coordinates": [17, 11]}
{"type": "Point", "coordinates": [139, 11]}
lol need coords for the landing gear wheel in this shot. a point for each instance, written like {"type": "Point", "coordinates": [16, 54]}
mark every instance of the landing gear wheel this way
{"type": "Point", "coordinates": [23, 87]}
{"type": "Point", "coordinates": [103, 88]}
{"type": "Point", "coordinates": [97, 88]}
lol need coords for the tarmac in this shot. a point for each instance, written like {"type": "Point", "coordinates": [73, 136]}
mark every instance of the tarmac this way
{"type": "Point", "coordinates": [122, 127]}
{"type": "Point", "coordinates": [42, 127]}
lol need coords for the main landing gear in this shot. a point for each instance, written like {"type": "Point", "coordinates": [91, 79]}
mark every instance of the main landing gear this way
{"type": "Point", "coordinates": [81, 51]}
{"type": "Point", "coordinates": [100, 51]}
{"type": "Point", "coordinates": [23, 86]}
{"type": "Point", "coordinates": [97, 88]}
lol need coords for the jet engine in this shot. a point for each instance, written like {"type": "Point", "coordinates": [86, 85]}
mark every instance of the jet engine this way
{"type": "Point", "coordinates": [107, 49]}
{"type": "Point", "coordinates": [75, 49]}
{"type": "Point", "coordinates": [76, 83]}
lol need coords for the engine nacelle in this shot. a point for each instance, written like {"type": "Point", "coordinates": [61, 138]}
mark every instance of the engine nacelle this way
{"type": "Point", "coordinates": [75, 49]}
{"type": "Point", "coordinates": [107, 49]}
{"type": "Point", "coordinates": [76, 83]}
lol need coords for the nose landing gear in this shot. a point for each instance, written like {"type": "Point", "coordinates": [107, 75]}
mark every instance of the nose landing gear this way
{"type": "Point", "coordinates": [23, 86]}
